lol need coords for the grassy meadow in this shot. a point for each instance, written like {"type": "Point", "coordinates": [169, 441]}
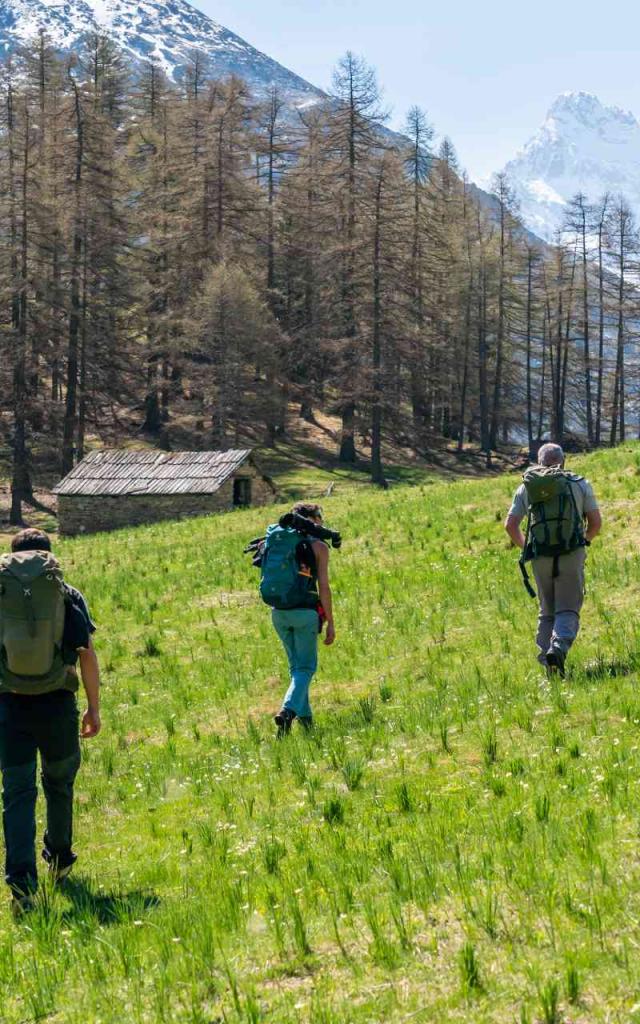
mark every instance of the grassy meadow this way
{"type": "Point", "coordinates": [458, 840]}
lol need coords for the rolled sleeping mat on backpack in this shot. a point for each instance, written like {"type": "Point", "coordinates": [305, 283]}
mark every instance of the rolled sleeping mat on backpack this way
{"type": "Point", "coordinates": [294, 521]}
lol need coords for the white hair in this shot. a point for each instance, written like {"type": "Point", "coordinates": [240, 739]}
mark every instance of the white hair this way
{"type": "Point", "coordinates": [550, 455]}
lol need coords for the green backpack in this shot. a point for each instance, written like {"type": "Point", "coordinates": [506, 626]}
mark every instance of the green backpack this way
{"type": "Point", "coordinates": [554, 525]}
{"type": "Point", "coordinates": [32, 612]}
{"type": "Point", "coordinates": [287, 573]}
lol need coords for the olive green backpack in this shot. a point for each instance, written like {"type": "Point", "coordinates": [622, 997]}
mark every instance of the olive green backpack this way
{"type": "Point", "coordinates": [32, 611]}
{"type": "Point", "coordinates": [554, 524]}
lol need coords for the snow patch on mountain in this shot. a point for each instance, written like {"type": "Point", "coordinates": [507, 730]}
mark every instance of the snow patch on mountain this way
{"type": "Point", "coordinates": [583, 146]}
{"type": "Point", "coordinates": [168, 32]}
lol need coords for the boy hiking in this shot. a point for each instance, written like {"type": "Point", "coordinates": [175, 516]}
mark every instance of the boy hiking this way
{"type": "Point", "coordinates": [45, 628]}
{"type": "Point", "coordinates": [294, 563]}
{"type": "Point", "coordinates": [562, 519]}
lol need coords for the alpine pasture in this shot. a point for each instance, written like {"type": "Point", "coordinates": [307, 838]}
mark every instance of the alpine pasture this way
{"type": "Point", "coordinates": [458, 840]}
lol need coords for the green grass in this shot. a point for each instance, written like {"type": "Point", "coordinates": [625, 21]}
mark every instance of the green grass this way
{"type": "Point", "coordinates": [457, 841]}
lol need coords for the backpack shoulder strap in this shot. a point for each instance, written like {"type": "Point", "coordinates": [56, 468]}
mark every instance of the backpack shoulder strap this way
{"type": "Point", "coordinates": [272, 531]}
{"type": "Point", "coordinates": [577, 518]}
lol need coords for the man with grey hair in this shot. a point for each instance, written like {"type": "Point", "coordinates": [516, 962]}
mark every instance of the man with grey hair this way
{"type": "Point", "coordinates": [550, 455]}
{"type": "Point", "coordinates": [562, 519]}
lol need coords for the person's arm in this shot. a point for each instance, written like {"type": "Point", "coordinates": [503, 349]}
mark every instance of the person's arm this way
{"type": "Point", "coordinates": [90, 672]}
{"type": "Point", "coordinates": [515, 515]}
{"type": "Point", "coordinates": [594, 524]}
{"type": "Point", "coordinates": [512, 526]}
{"type": "Point", "coordinates": [321, 551]}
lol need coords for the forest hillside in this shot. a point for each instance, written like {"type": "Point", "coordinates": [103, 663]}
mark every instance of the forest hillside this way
{"type": "Point", "coordinates": [187, 266]}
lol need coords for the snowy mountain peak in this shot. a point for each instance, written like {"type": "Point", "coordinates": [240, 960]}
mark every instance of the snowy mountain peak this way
{"type": "Point", "coordinates": [167, 31]}
{"type": "Point", "coordinates": [582, 146]}
{"type": "Point", "coordinates": [580, 105]}
{"type": "Point", "coordinates": [585, 109]}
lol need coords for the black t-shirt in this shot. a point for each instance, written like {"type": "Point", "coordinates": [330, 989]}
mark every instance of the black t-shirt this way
{"type": "Point", "coordinates": [78, 625]}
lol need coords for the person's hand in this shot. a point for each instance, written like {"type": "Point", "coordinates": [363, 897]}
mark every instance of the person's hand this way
{"type": "Point", "coordinates": [91, 723]}
{"type": "Point", "coordinates": [330, 634]}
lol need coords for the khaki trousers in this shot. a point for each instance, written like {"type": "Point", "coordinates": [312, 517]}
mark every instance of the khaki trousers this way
{"type": "Point", "coordinates": [560, 600]}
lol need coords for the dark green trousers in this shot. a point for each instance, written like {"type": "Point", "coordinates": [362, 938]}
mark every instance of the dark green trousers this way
{"type": "Point", "coordinates": [47, 724]}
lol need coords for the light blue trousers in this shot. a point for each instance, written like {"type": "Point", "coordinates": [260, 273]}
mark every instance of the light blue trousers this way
{"type": "Point", "coordinates": [298, 630]}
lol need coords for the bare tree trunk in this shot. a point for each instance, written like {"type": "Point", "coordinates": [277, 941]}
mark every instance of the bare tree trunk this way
{"type": "Point", "coordinates": [543, 371]}
{"type": "Point", "coordinates": [586, 327]}
{"type": "Point", "coordinates": [529, 319]}
{"type": "Point", "coordinates": [483, 395]}
{"type": "Point", "coordinates": [464, 387]}
{"type": "Point", "coordinates": [500, 335]}
{"type": "Point", "coordinates": [377, 473]}
{"type": "Point", "coordinates": [556, 363]}
{"type": "Point", "coordinates": [347, 440]}
{"type": "Point", "coordinates": [601, 225]}
{"type": "Point", "coordinates": [21, 489]}
{"type": "Point", "coordinates": [70, 416]}
{"type": "Point", "coordinates": [618, 410]}
{"type": "Point", "coordinates": [82, 407]}
{"type": "Point", "coordinates": [275, 108]}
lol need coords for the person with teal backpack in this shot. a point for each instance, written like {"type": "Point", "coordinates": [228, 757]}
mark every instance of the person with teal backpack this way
{"type": "Point", "coordinates": [293, 559]}
{"type": "Point", "coordinates": [562, 519]}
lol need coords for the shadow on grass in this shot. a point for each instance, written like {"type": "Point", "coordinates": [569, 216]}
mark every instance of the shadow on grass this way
{"type": "Point", "coordinates": [603, 668]}
{"type": "Point", "coordinates": [106, 907]}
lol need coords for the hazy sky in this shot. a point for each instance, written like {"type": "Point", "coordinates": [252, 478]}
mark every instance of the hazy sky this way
{"type": "Point", "coordinates": [485, 72]}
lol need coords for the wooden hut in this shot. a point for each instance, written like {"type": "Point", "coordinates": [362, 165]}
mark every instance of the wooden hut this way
{"type": "Point", "coordinates": [113, 488]}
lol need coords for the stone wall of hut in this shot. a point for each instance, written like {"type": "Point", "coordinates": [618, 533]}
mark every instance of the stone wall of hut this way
{"type": "Point", "coordinates": [94, 513]}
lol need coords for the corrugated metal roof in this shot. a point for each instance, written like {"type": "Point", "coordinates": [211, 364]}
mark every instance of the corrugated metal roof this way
{"type": "Point", "coordinates": [145, 471]}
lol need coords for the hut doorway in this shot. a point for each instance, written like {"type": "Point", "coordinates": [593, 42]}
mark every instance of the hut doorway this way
{"type": "Point", "coordinates": [242, 492]}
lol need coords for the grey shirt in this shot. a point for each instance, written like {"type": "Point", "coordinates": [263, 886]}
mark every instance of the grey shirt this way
{"type": "Point", "coordinates": [583, 492]}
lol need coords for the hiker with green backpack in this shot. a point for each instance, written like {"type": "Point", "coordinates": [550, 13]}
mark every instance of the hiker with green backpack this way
{"type": "Point", "coordinates": [562, 519]}
{"type": "Point", "coordinates": [45, 629]}
{"type": "Point", "coordinates": [293, 559]}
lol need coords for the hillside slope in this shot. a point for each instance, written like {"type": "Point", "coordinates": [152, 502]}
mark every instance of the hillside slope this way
{"type": "Point", "coordinates": [457, 841]}
{"type": "Point", "coordinates": [168, 31]}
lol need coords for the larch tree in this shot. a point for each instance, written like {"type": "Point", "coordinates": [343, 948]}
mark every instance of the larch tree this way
{"type": "Point", "coordinates": [577, 224]}
{"type": "Point", "coordinates": [352, 137]}
{"type": "Point", "coordinates": [418, 164]}
{"type": "Point", "coordinates": [623, 249]}
{"type": "Point", "coordinates": [599, 223]}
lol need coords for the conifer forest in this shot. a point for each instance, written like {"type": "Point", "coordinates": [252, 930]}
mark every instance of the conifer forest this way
{"type": "Point", "coordinates": [190, 265]}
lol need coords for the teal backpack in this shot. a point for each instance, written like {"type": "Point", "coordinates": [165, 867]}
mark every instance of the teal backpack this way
{"type": "Point", "coordinates": [288, 571]}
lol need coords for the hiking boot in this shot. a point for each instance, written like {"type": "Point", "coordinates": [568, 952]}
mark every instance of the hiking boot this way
{"type": "Point", "coordinates": [21, 905]}
{"type": "Point", "coordinates": [59, 867]}
{"type": "Point", "coordinates": [306, 721]}
{"type": "Point", "coordinates": [555, 661]}
{"type": "Point", "coordinates": [284, 720]}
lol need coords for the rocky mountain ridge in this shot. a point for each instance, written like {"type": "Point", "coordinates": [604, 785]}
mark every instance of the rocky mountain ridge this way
{"type": "Point", "coordinates": [582, 146]}
{"type": "Point", "coordinates": [169, 32]}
